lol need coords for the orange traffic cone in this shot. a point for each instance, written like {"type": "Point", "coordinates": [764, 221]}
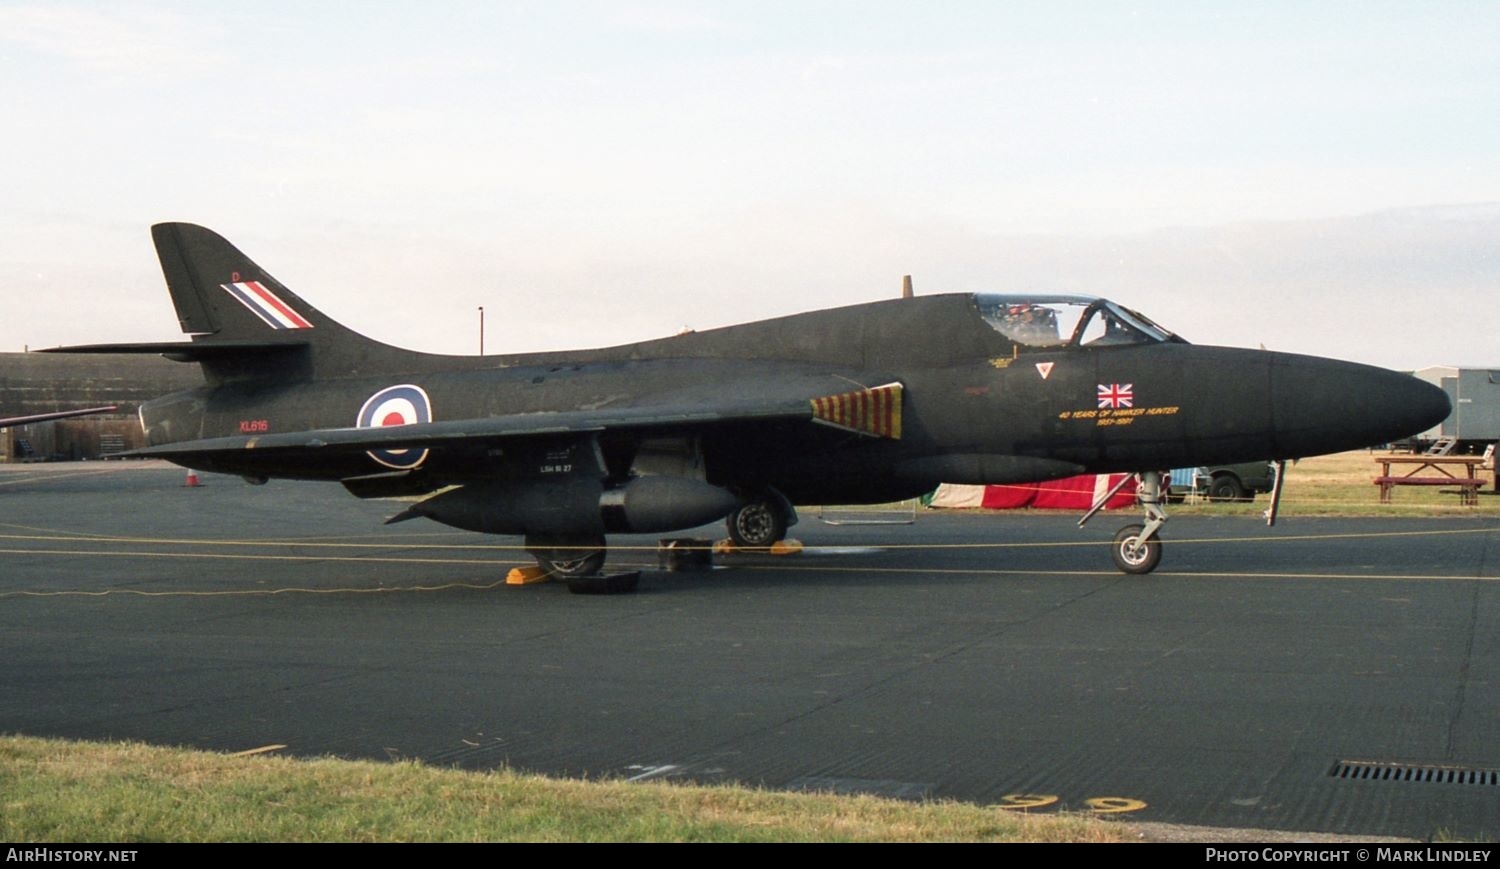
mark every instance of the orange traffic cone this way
{"type": "Point", "coordinates": [192, 481]}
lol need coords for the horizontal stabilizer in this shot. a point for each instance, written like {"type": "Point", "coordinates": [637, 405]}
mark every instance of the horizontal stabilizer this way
{"type": "Point", "coordinates": [61, 414]}
{"type": "Point", "coordinates": [188, 351]}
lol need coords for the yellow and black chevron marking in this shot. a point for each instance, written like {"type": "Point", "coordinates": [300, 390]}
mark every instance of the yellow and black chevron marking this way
{"type": "Point", "coordinates": [875, 411]}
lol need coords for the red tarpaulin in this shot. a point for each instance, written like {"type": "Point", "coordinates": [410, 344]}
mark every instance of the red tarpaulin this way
{"type": "Point", "coordinates": [1073, 493]}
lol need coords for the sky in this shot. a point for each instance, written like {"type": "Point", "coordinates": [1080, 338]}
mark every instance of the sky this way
{"type": "Point", "coordinates": [1312, 177]}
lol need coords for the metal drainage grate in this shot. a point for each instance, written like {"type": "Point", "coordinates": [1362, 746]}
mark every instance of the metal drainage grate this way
{"type": "Point", "coordinates": [1374, 770]}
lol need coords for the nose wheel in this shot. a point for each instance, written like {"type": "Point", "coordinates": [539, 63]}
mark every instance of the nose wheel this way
{"type": "Point", "coordinates": [1131, 553]}
{"type": "Point", "coordinates": [1136, 549]}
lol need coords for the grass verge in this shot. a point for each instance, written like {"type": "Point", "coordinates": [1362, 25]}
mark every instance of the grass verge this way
{"type": "Point", "coordinates": [1343, 485]}
{"type": "Point", "coordinates": [62, 791]}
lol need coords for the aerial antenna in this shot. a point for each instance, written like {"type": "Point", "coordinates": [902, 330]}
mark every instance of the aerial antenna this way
{"type": "Point", "coordinates": [906, 292]}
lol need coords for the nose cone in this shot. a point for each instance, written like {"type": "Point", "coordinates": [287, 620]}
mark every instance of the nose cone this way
{"type": "Point", "coordinates": [1325, 406]}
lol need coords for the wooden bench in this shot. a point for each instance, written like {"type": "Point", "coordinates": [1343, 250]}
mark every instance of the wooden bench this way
{"type": "Point", "coordinates": [1468, 489]}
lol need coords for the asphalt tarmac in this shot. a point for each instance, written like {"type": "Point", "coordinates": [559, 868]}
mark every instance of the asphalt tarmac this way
{"type": "Point", "coordinates": [997, 659]}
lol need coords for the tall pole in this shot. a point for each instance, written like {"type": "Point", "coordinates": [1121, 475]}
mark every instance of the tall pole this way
{"type": "Point", "coordinates": [481, 330]}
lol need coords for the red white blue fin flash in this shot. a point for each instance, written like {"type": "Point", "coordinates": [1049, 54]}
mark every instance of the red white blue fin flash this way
{"type": "Point", "coordinates": [266, 305]}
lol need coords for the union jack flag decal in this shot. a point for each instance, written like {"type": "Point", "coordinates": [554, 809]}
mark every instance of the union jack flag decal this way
{"type": "Point", "coordinates": [264, 304]}
{"type": "Point", "coordinates": [1117, 395]}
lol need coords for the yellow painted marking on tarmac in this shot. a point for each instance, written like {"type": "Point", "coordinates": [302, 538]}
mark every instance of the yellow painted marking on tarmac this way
{"type": "Point", "coordinates": [1174, 574]}
{"type": "Point", "coordinates": [946, 571]}
{"type": "Point", "coordinates": [1333, 576]}
{"type": "Point", "coordinates": [304, 544]}
{"type": "Point", "coordinates": [1175, 541]}
{"type": "Point", "coordinates": [913, 571]}
{"type": "Point", "coordinates": [824, 568]}
{"type": "Point", "coordinates": [321, 543]}
{"type": "Point", "coordinates": [387, 546]}
{"type": "Point", "coordinates": [61, 475]}
{"type": "Point", "coordinates": [52, 533]}
{"type": "Point", "coordinates": [1351, 535]}
{"type": "Point", "coordinates": [389, 540]}
{"type": "Point", "coordinates": [264, 749]}
{"type": "Point", "coordinates": [259, 592]}
{"type": "Point", "coordinates": [1026, 801]}
{"type": "Point", "coordinates": [1113, 805]}
{"type": "Point", "coordinates": [236, 556]}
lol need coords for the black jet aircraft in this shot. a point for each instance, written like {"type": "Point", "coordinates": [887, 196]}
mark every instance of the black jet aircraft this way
{"type": "Point", "coordinates": [862, 404]}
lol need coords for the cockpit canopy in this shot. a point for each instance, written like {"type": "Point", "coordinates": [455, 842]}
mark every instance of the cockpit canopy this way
{"type": "Point", "coordinates": [1067, 321]}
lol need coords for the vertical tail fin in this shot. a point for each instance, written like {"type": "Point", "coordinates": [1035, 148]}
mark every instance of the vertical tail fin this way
{"type": "Point", "coordinates": [254, 324]}
{"type": "Point", "coordinates": [222, 295]}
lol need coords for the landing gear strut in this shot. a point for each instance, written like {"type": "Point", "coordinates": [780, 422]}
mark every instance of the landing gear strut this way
{"type": "Point", "coordinates": [1136, 549]}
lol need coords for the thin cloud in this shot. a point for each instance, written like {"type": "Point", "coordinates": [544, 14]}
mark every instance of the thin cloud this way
{"type": "Point", "coordinates": [124, 39]}
{"type": "Point", "coordinates": [668, 19]}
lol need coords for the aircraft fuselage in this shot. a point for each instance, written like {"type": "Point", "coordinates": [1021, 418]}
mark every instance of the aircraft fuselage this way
{"type": "Point", "coordinates": [994, 414]}
{"type": "Point", "coordinates": [860, 404]}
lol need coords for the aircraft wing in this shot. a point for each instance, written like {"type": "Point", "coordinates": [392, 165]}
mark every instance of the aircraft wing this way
{"type": "Point", "coordinates": [871, 411]}
{"type": "Point", "coordinates": [7, 422]}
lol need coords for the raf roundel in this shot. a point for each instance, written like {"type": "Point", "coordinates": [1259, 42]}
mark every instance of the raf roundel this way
{"type": "Point", "coordinates": [396, 405]}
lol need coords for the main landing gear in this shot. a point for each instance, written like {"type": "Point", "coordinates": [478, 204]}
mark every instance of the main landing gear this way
{"type": "Point", "coordinates": [578, 560]}
{"type": "Point", "coordinates": [1136, 549]}
{"type": "Point", "coordinates": [761, 522]}
{"type": "Point", "coordinates": [567, 557]}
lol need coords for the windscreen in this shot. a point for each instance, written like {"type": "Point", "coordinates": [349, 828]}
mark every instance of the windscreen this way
{"type": "Point", "coordinates": [1067, 321]}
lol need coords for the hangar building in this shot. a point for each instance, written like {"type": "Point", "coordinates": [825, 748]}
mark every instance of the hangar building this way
{"type": "Point", "coordinates": [33, 383]}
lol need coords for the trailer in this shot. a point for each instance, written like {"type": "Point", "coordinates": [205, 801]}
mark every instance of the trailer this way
{"type": "Point", "coordinates": [1474, 423]}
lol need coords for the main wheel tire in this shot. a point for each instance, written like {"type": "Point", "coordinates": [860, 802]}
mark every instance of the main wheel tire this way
{"type": "Point", "coordinates": [567, 556]}
{"type": "Point", "coordinates": [571, 564]}
{"type": "Point", "coordinates": [756, 525]}
{"type": "Point", "coordinates": [1226, 488]}
{"type": "Point", "coordinates": [1130, 558]}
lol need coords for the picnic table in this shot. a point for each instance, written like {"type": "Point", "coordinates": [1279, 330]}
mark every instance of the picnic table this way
{"type": "Point", "coordinates": [1439, 471]}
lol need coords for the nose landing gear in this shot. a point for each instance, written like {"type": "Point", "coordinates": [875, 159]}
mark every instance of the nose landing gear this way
{"type": "Point", "coordinates": [1136, 549]}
